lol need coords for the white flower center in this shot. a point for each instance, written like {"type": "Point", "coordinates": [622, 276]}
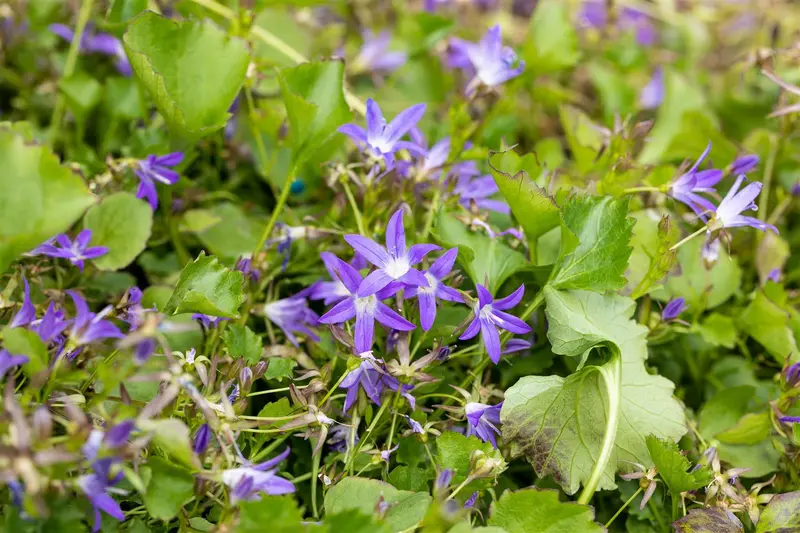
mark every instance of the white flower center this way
{"type": "Point", "coordinates": [366, 305]}
{"type": "Point", "coordinates": [432, 282]}
{"type": "Point", "coordinates": [397, 267]}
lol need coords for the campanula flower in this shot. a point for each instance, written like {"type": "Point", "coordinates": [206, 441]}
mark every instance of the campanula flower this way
{"type": "Point", "coordinates": [793, 375]}
{"type": "Point", "coordinates": [339, 437]}
{"type": "Point", "coordinates": [594, 15]}
{"type": "Point", "coordinates": [329, 291]}
{"type": "Point", "coordinates": [112, 439]}
{"type": "Point", "coordinates": [381, 139]}
{"type": "Point", "coordinates": [516, 345]}
{"type": "Point", "coordinates": [76, 252]}
{"type": "Point", "coordinates": [8, 361]}
{"type": "Point", "coordinates": [375, 55]}
{"type": "Point", "coordinates": [433, 159]}
{"type": "Point", "coordinates": [395, 261]}
{"type": "Point", "coordinates": [88, 327]}
{"type": "Point", "coordinates": [686, 188]}
{"type": "Point", "coordinates": [478, 191]}
{"type": "Point", "coordinates": [416, 427]}
{"type": "Point", "coordinates": [156, 168]}
{"type": "Point", "coordinates": [201, 439]}
{"type": "Point", "coordinates": [470, 503]}
{"type": "Point", "coordinates": [96, 487]}
{"type": "Point", "coordinates": [208, 321]}
{"type": "Point", "coordinates": [790, 419]}
{"type": "Point", "coordinates": [490, 61]}
{"type": "Point", "coordinates": [245, 266]}
{"type": "Point", "coordinates": [249, 481]}
{"type": "Point", "coordinates": [483, 421]}
{"type": "Point", "coordinates": [490, 315]}
{"type": "Point", "coordinates": [729, 212]}
{"type": "Point", "coordinates": [743, 164]}
{"type": "Point", "coordinates": [293, 315]}
{"type": "Point", "coordinates": [710, 251]}
{"type": "Point", "coordinates": [365, 309]}
{"type": "Point", "coordinates": [652, 94]}
{"type": "Point", "coordinates": [26, 313]}
{"type": "Point", "coordinates": [368, 377]}
{"type": "Point", "coordinates": [426, 296]}
{"type": "Point", "coordinates": [97, 43]}
{"type": "Point", "coordinates": [673, 309]}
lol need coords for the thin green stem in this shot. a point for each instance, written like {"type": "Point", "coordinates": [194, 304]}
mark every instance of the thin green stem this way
{"type": "Point", "coordinates": [328, 395]}
{"type": "Point", "coordinates": [314, 477]}
{"type": "Point", "coordinates": [613, 381]}
{"type": "Point", "coordinates": [641, 189]}
{"type": "Point", "coordinates": [458, 489]}
{"type": "Point", "coordinates": [769, 168]}
{"type": "Point", "coordinates": [365, 438]}
{"type": "Point", "coordinates": [624, 505]}
{"type": "Point", "coordinates": [251, 114]}
{"type": "Point", "coordinates": [689, 238]}
{"type": "Point", "coordinates": [276, 212]}
{"type": "Point", "coordinates": [437, 195]}
{"type": "Point", "coordinates": [84, 15]}
{"type": "Point", "coordinates": [354, 206]}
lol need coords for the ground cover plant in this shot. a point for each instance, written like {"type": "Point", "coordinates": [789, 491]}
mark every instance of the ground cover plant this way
{"type": "Point", "coordinates": [394, 266]}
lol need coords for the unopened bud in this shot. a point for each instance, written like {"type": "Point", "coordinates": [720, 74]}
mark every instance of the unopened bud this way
{"type": "Point", "coordinates": [201, 439]}
{"type": "Point", "coordinates": [484, 466]}
{"type": "Point", "coordinates": [246, 378]}
{"type": "Point", "coordinates": [259, 369]}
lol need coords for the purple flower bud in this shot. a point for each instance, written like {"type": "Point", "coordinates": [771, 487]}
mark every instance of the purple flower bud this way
{"type": "Point", "coordinates": [246, 378]}
{"type": "Point", "coordinates": [774, 275]}
{"type": "Point", "coordinates": [443, 479]}
{"type": "Point", "coordinates": [743, 164]}
{"type": "Point", "coordinates": [118, 435]}
{"type": "Point", "coordinates": [470, 503]}
{"type": "Point", "coordinates": [790, 419]}
{"type": "Point", "coordinates": [793, 375]}
{"type": "Point", "coordinates": [673, 309]}
{"type": "Point", "coordinates": [234, 395]}
{"type": "Point", "coordinates": [201, 439]}
{"type": "Point", "coordinates": [259, 369]}
{"type": "Point", "coordinates": [416, 427]}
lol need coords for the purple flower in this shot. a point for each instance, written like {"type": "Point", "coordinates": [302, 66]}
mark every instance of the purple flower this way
{"type": "Point", "coordinates": [395, 261]}
{"type": "Point", "coordinates": [293, 315]}
{"type": "Point", "coordinates": [245, 266]}
{"type": "Point", "coordinates": [673, 309]}
{"type": "Point", "coordinates": [26, 313]}
{"type": "Point", "coordinates": [156, 169]}
{"type": "Point", "coordinates": [478, 191]}
{"type": "Point", "coordinates": [366, 376]}
{"type": "Point", "coordinates": [76, 252]}
{"type": "Point", "coordinates": [491, 62]}
{"type": "Point", "coordinates": [490, 315]}
{"type": "Point", "coordinates": [426, 296]}
{"type": "Point", "coordinates": [112, 439]}
{"type": "Point", "coordinates": [483, 421]}
{"type": "Point", "coordinates": [8, 361]}
{"type": "Point", "coordinates": [516, 345]}
{"type": "Point", "coordinates": [201, 439]}
{"type": "Point", "coordinates": [96, 487]}
{"type": "Point", "coordinates": [365, 309]}
{"type": "Point", "coordinates": [743, 164]}
{"type": "Point", "coordinates": [339, 437]}
{"type": "Point", "coordinates": [51, 325]}
{"type": "Point", "coordinates": [774, 275]}
{"type": "Point", "coordinates": [99, 43]}
{"type": "Point", "coordinates": [416, 427]}
{"type": "Point", "coordinates": [375, 55]}
{"type": "Point", "coordinates": [387, 454]}
{"type": "Point", "coordinates": [652, 94]}
{"type": "Point", "coordinates": [793, 375]}
{"type": "Point", "coordinates": [686, 188]}
{"type": "Point", "coordinates": [729, 212]}
{"type": "Point", "coordinates": [443, 479]}
{"type": "Point", "coordinates": [208, 321]}
{"type": "Point", "coordinates": [248, 481]}
{"type": "Point", "coordinates": [595, 15]}
{"type": "Point", "coordinates": [470, 503]}
{"type": "Point", "coordinates": [790, 419]}
{"type": "Point", "coordinates": [88, 327]}
{"type": "Point", "coordinates": [329, 291]}
{"type": "Point", "coordinates": [382, 139]}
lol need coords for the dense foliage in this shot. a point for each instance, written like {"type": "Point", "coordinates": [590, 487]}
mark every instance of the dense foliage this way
{"type": "Point", "coordinates": [394, 266]}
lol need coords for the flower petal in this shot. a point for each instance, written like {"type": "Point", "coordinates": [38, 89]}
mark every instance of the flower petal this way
{"type": "Point", "coordinates": [472, 330]}
{"type": "Point", "coordinates": [375, 281]}
{"type": "Point", "coordinates": [444, 264]}
{"type": "Point", "coordinates": [396, 235]}
{"type": "Point", "coordinates": [417, 252]}
{"type": "Point", "coordinates": [427, 309]}
{"type": "Point", "coordinates": [372, 251]}
{"type": "Point", "coordinates": [484, 296]}
{"type": "Point", "coordinates": [510, 322]}
{"type": "Point", "coordinates": [491, 340]}
{"type": "Point", "coordinates": [511, 300]}
{"type": "Point", "coordinates": [340, 313]}
{"type": "Point", "coordinates": [404, 121]}
{"type": "Point", "coordinates": [391, 319]}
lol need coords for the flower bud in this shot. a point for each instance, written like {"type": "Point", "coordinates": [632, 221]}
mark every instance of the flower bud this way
{"type": "Point", "coordinates": [443, 479]}
{"type": "Point", "coordinates": [201, 439]}
{"type": "Point", "coordinates": [259, 369]}
{"type": "Point", "coordinates": [246, 378]}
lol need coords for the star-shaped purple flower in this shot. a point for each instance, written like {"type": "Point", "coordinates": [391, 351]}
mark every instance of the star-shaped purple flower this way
{"type": "Point", "coordinates": [154, 169]}
{"type": "Point", "coordinates": [329, 291]}
{"type": "Point", "coordinates": [76, 252]}
{"type": "Point", "coordinates": [249, 481]}
{"type": "Point", "coordinates": [365, 309]}
{"type": "Point", "coordinates": [729, 212]}
{"type": "Point", "coordinates": [490, 61]}
{"type": "Point", "coordinates": [490, 315]}
{"type": "Point", "coordinates": [395, 261]}
{"type": "Point", "coordinates": [483, 421]}
{"type": "Point", "coordinates": [686, 188]}
{"type": "Point", "coordinates": [375, 55]}
{"type": "Point", "coordinates": [373, 379]}
{"type": "Point", "coordinates": [95, 487]}
{"type": "Point", "coordinates": [88, 327]}
{"type": "Point", "coordinates": [382, 139]}
{"type": "Point", "coordinates": [426, 296]}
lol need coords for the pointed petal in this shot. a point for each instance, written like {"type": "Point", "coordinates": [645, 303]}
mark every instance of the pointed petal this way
{"type": "Point", "coordinates": [510, 322]}
{"type": "Point", "coordinates": [340, 313]}
{"type": "Point", "coordinates": [365, 330]}
{"type": "Point", "coordinates": [491, 340]}
{"type": "Point", "coordinates": [444, 264]}
{"type": "Point", "coordinates": [427, 309]}
{"type": "Point", "coordinates": [391, 319]}
{"type": "Point", "coordinates": [169, 160]}
{"type": "Point", "coordinates": [484, 296]}
{"type": "Point", "coordinates": [700, 159]}
{"type": "Point", "coordinates": [26, 313]}
{"type": "Point", "coordinates": [404, 121]}
{"type": "Point", "coordinates": [348, 275]}
{"type": "Point", "coordinates": [443, 292]}
{"type": "Point", "coordinates": [372, 251]}
{"type": "Point", "coordinates": [374, 282]}
{"type": "Point", "coordinates": [417, 252]}
{"type": "Point", "coordinates": [396, 235]}
{"type": "Point", "coordinates": [511, 300]}
{"type": "Point", "coordinates": [472, 330]}
{"type": "Point", "coordinates": [414, 278]}
{"type": "Point", "coordinates": [375, 120]}
{"type": "Point", "coordinates": [354, 131]}
{"type": "Point", "coordinates": [274, 461]}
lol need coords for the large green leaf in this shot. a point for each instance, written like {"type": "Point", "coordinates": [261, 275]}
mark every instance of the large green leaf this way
{"type": "Point", "coordinates": [405, 508]}
{"type": "Point", "coordinates": [533, 208]}
{"type": "Point", "coordinates": [540, 511]}
{"type": "Point", "coordinates": [172, 436]}
{"type": "Point", "coordinates": [673, 467]}
{"type": "Point", "coordinates": [40, 197]}
{"type": "Point", "coordinates": [122, 223]}
{"type": "Point", "coordinates": [277, 513]}
{"type": "Point", "coordinates": [552, 39]}
{"type": "Point", "coordinates": [168, 488]}
{"type": "Point", "coordinates": [782, 515]}
{"type": "Point", "coordinates": [595, 232]}
{"type": "Point", "coordinates": [486, 260]}
{"type": "Point", "coordinates": [192, 70]}
{"type": "Point", "coordinates": [21, 341]}
{"type": "Point", "coordinates": [225, 229]}
{"type": "Point", "coordinates": [768, 323]}
{"type": "Point", "coordinates": [560, 424]}
{"type": "Point", "coordinates": [314, 99]}
{"type": "Point", "coordinates": [707, 520]}
{"type": "Point", "coordinates": [208, 287]}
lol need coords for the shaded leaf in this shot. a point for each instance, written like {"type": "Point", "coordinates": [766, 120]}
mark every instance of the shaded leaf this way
{"type": "Point", "coordinates": [768, 323]}
{"type": "Point", "coordinates": [661, 260]}
{"type": "Point", "coordinates": [752, 428]}
{"type": "Point", "coordinates": [708, 520]}
{"type": "Point", "coordinates": [782, 515]}
{"type": "Point", "coordinates": [122, 223]}
{"type": "Point", "coordinates": [280, 513]}
{"type": "Point", "coordinates": [552, 43]}
{"type": "Point", "coordinates": [168, 488]}
{"type": "Point", "coordinates": [206, 286]}
{"type": "Point", "coordinates": [279, 368]}
{"type": "Point", "coordinates": [540, 511]}
{"type": "Point", "coordinates": [172, 436]}
{"type": "Point", "coordinates": [242, 343]}
{"type": "Point", "coordinates": [454, 451]}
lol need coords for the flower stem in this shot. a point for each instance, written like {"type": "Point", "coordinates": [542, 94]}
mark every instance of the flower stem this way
{"type": "Point", "coordinates": [276, 212]}
{"type": "Point", "coordinates": [689, 238]}
{"type": "Point", "coordinates": [769, 167]}
{"type": "Point", "coordinates": [371, 427]}
{"type": "Point", "coordinates": [613, 381]}
{"type": "Point", "coordinates": [624, 505]}
{"type": "Point", "coordinates": [641, 189]}
{"type": "Point", "coordinates": [84, 15]}
{"type": "Point", "coordinates": [458, 489]}
{"type": "Point", "coordinates": [356, 212]}
{"type": "Point", "coordinates": [314, 476]}
{"type": "Point", "coordinates": [437, 196]}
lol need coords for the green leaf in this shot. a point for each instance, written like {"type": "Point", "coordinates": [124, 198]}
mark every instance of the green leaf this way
{"type": "Point", "coordinates": [559, 424]}
{"type": "Point", "coordinates": [584, 137]}
{"type": "Point", "coordinates": [540, 511]}
{"type": "Point", "coordinates": [455, 451]}
{"type": "Point", "coordinates": [696, 130]}
{"type": "Point", "coordinates": [225, 229]}
{"type": "Point", "coordinates": [662, 259]}
{"type": "Point", "coordinates": [122, 223]}
{"type": "Point", "coordinates": [486, 260]}
{"type": "Point", "coordinates": [20, 341]}
{"type": "Point", "coordinates": [242, 343]}
{"type": "Point", "coordinates": [595, 232]}
{"type": "Point", "coordinates": [354, 521]}
{"type": "Point", "coordinates": [724, 409]}
{"type": "Point", "coordinates": [616, 92]}
{"type": "Point", "coordinates": [552, 43]}
{"type": "Point", "coordinates": [172, 436]}
{"type": "Point", "coordinates": [169, 487]}
{"type": "Point", "coordinates": [752, 428]}
{"type": "Point", "coordinates": [121, 11]}
{"type": "Point", "coordinates": [718, 330]}
{"type": "Point", "coordinates": [673, 467]}
{"type": "Point", "coordinates": [707, 520]}
{"type": "Point", "coordinates": [205, 286]}
{"type": "Point", "coordinates": [41, 198]}
{"type": "Point", "coordinates": [409, 478]}
{"type": "Point", "coordinates": [279, 368]}
{"type": "Point", "coordinates": [82, 92]}
{"type": "Point", "coordinates": [192, 70]}
{"type": "Point", "coordinates": [533, 208]}
{"type": "Point", "coordinates": [314, 99]}
{"type": "Point", "coordinates": [406, 509]}
{"type": "Point", "coordinates": [768, 323]}
{"type": "Point", "coordinates": [782, 514]}
{"type": "Point", "coordinates": [279, 513]}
